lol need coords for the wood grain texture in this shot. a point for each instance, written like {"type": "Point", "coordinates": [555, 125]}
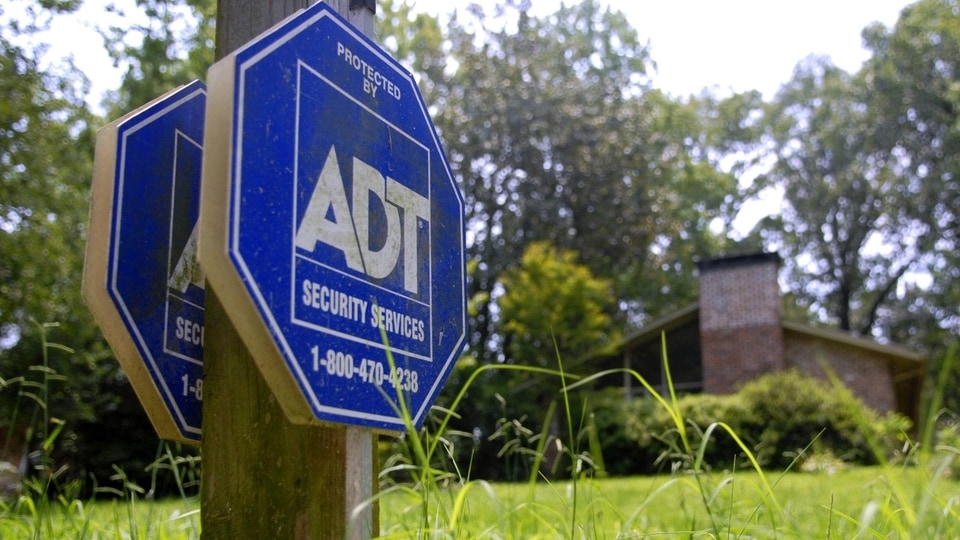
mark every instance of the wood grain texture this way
{"type": "Point", "coordinates": [263, 476]}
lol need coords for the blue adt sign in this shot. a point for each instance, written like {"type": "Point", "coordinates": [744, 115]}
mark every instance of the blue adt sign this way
{"type": "Point", "coordinates": [153, 276]}
{"type": "Point", "coordinates": [345, 223]}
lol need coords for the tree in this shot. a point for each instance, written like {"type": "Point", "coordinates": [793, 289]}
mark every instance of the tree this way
{"type": "Point", "coordinates": [553, 307]}
{"type": "Point", "coordinates": [56, 372]}
{"type": "Point", "coordinates": [555, 135]}
{"type": "Point", "coordinates": [174, 46]}
{"type": "Point", "coordinates": [43, 211]}
{"type": "Point", "coordinates": [870, 229]}
{"type": "Point", "coordinates": [50, 349]}
{"type": "Point", "coordinates": [912, 78]}
{"type": "Point", "coordinates": [845, 240]}
{"type": "Point", "coordinates": [553, 310]}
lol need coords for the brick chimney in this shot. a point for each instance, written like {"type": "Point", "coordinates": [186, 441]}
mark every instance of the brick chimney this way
{"type": "Point", "coordinates": [741, 335]}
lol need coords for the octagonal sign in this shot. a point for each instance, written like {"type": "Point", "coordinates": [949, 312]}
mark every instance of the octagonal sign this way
{"type": "Point", "coordinates": [141, 277]}
{"type": "Point", "coordinates": [332, 228]}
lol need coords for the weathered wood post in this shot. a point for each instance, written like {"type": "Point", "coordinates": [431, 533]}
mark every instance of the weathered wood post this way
{"type": "Point", "coordinates": [264, 477]}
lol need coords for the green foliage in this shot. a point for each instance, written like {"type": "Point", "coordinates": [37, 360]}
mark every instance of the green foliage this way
{"type": "Point", "coordinates": [580, 153]}
{"type": "Point", "coordinates": [553, 305]}
{"type": "Point", "coordinates": [784, 417]}
{"type": "Point", "coordinates": [415, 39]}
{"type": "Point", "coordinates": [44, 185]}
{"type": "Point", "coordinates": [173, 46]}
{"type": "Point", "coordinates": [869, 231]}
{"type": "Point", "coordinates": [628, 446]}
{"type": "Point", "coordinates": [789, 411]}
{"type": "Point", "coordinates": [46, 142]}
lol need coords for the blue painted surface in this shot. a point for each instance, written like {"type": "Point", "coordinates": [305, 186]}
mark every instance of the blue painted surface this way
{"type": "Point", "coordinates": [152, 271]}
{"type": "Point", "coordinates": [317, 106]}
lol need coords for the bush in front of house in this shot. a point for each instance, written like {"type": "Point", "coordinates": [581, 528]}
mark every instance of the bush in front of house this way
{"type": "Point", "coordinates": [790, 412]}
{"type": "Point", "coordinates": [625, 436]}
{"type": "Point", "coordinates": [784, 418]}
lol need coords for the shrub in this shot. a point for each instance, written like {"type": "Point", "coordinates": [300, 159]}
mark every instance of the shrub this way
{"type": "Point", "coordinates": [623, 428]}
{"type": "Point", "coordinates": [702, 410]}
{"type": "Point", "coordinates": [789, 412]}
{"type": "Point", "coordinates": [783, 417]}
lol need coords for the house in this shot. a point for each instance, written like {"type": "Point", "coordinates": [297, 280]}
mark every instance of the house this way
{"type": "Point", "coordinates": [736, 332]}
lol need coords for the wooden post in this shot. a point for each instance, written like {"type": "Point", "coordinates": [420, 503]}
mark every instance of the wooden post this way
{"type": "Point", "coordinates": [264, 477]}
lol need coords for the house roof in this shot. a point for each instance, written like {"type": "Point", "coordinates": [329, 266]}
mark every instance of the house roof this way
{"type": "Point", "coordinates": [656, 327]}
{"type": "Point", "coordinates": [690, 313]}
{"type": "Point", "coordinates": [829, 334]}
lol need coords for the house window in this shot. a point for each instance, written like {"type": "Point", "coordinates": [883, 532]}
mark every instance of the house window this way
{"type": "Point", "coordinates": [683, 355]}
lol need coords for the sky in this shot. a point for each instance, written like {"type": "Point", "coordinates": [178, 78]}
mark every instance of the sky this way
{"type": "Point", "coordinates": [744, 45]}
{"type": "Point", "coordinates": [726, 46]}
{"type": "Point", "coordinates": [737, 45]}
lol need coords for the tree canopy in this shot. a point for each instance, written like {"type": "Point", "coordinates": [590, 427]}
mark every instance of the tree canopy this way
{"type": "Point", "coordinates": [912, 79]}
{"type": "Point", "coordinates": [869, 229]}
{"type": "Point", "coordinates": [842, 230]}
{"type": "Point", "coordinates": [581, 152]}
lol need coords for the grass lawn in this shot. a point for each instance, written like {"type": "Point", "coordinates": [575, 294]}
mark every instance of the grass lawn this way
{"type": "Point", "coordinates": [113, 519]}
{"type": "Point", "coordinates": [865, 502]}
{"type": "Point", "coordinates": [900, 503]}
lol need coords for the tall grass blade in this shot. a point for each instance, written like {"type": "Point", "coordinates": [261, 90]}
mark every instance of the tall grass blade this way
{"type": "Point", "coordinates": [936, 400]}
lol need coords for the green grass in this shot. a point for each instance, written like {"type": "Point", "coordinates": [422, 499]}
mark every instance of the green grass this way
{"type": "Point", "coordinates": [889, 501]}
{"type": "Point", "coordinates": [854, 502]}
{"type": "Point", "coordinates": [172, 519]}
